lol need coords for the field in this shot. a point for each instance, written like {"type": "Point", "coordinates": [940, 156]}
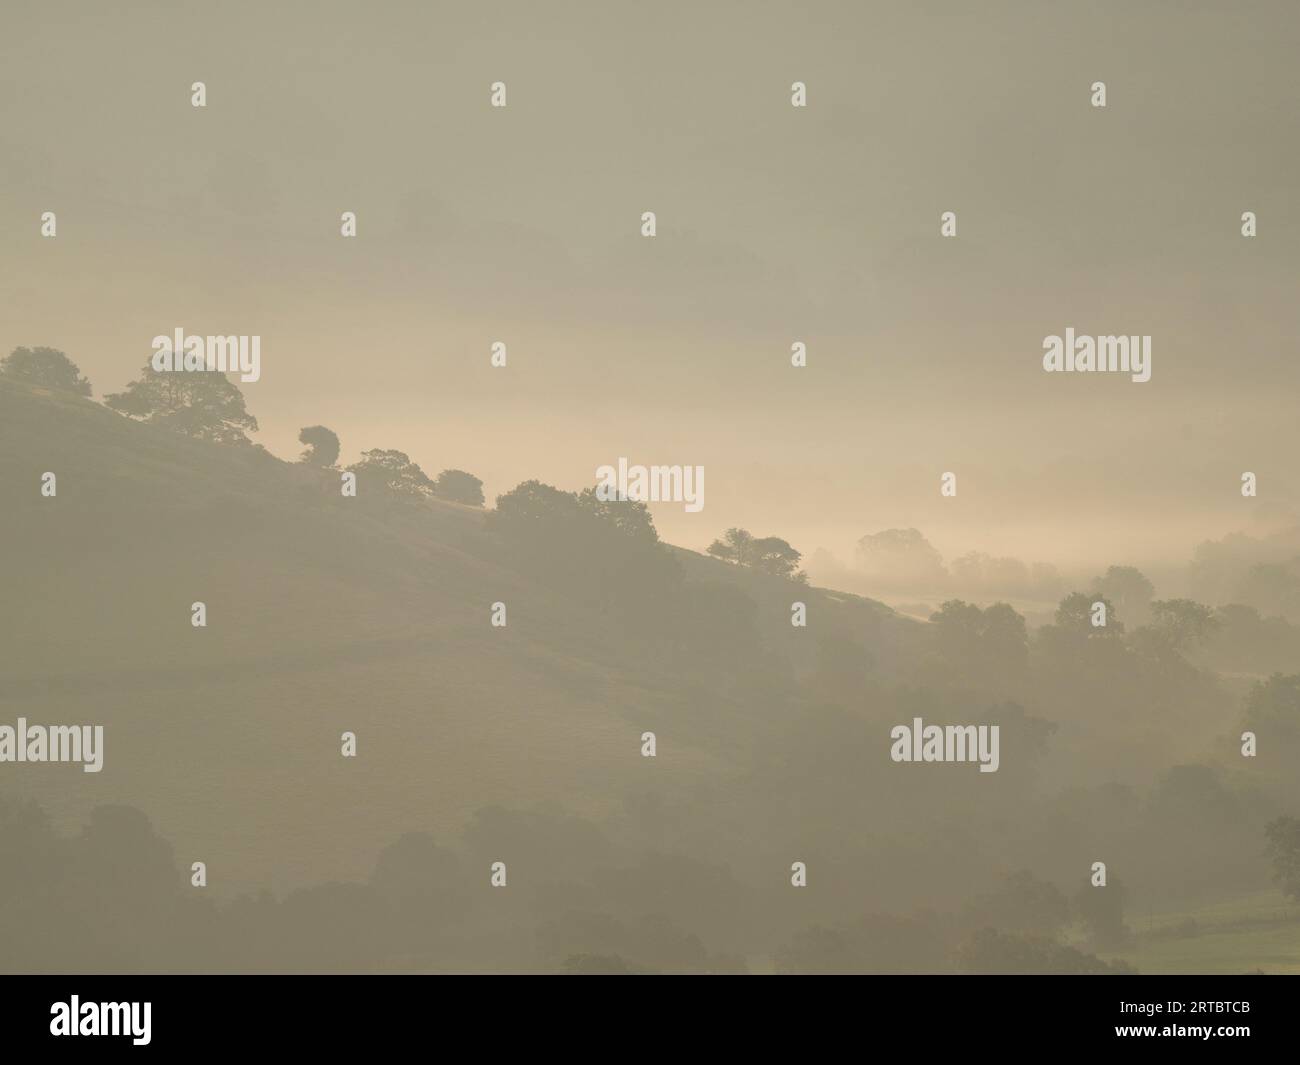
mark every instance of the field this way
{"type": "Point", "coordinates": [1256, 932]}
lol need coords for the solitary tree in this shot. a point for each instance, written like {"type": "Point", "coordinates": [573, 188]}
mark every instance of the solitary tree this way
{"type": "Point", "coordinates": [203, 404]}
{"type": "Point", "coordinates": [735, 546]}
{"type": "Point", "coordinates": [322, 446]}
{"type": "Point", "coordinates": [45, 367]}
{"type": "Point", "coordinates": [459, 487]}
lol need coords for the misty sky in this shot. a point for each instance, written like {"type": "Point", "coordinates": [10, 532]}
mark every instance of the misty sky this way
{"type": "Point", "coordinates": [775, 225]}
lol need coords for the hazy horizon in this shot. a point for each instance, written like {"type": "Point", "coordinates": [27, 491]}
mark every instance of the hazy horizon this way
{"type": "Point", "coordinates": [775, 225]}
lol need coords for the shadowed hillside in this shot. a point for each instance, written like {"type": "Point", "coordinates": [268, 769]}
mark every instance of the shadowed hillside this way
{"type": "Point", "coordinates": [327, 614]}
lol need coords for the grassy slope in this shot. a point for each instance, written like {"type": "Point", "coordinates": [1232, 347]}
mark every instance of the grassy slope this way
{"type": "Point", "coordinates": [324, 614]}
{"type": "Point", "coordinates": [1254, 932]}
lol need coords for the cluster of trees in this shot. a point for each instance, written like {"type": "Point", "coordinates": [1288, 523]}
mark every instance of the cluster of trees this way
{"type": "Point", "coordinates": [1016, 928]}
{"type": "Point", "coordinates": [45, 368]}
{"type": "Point", "coordinates": [767, 554]}
{"type": "Point", "coordinates": [602, 550]}
{"type": "Point", "coordinates": [1261, 572]}
{"type": "Point", "coordinates": [904, 560]}
{"type": "Point", "coordinates": [209, 406]}
{"type": "Point", "coordinates": [113, 897]}
{"type": "Point", "coordinates": [118, 878]}
{"type": "Point", "coordinates": [969, 634]}
{"type": "Point", "coordinates": [402, 478]}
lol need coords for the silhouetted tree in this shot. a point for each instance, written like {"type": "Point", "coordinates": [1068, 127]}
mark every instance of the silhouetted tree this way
{"type": "Point", "coordinates": [603, 549]}
{"type": "Point", "coordinates": [1128, 589]}
{"type": "Point", "coordinates": [203, 404]}
{"type": "Point", "coordinates": [459, 487]}
{"type": "Point", "coordinates": [1005, 636]}
{"type": "Point", "coordinates": [393, 471]}
{"type": "Point", "coordinates": [1101, 909]}
{"type": "Point", "coordinates": [423, 886]}
{"type": "Point", "coordinates": [45, 367]}
{"type": "Point", "coordinates": [735, 546]}
{"type": "Point", "coordinates": [529, 506]}
{"type": "Point", "coordinates": [322, 446]}
{"type": "Point", "coordinates": [901, 556]}
{"type": "Point", "coordinates": [1283, 835]}
{"type": "Point", "coordinates": [1074, 615]}
{"type": "Point", "coordinates": [777, 557]}
{"type": "Point", "coordinates": [1182, 622]}
{"type": "Point", "coordinates": [990, 644]}
{"type": "Point", "coordinates": [1275, 702]}
{"type": "Point", "coordinates": [768, 554]}
{"type": "Point", "coordinates": [958, 626]}
{"type": "Point", "coordinates": [532, 509]}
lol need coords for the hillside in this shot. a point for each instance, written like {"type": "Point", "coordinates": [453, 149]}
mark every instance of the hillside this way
{"type": "Point", "coordinates": [327, 614]}
{"type": "Point", "coordinates": [477, 743]}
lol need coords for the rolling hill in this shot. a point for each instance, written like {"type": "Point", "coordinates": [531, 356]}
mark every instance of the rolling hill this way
{"type": "Point", "coordinates": [327, 614]}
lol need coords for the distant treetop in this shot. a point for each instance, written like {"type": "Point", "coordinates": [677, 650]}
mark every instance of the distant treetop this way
{"type": "Point", "coordinates": [459, 487]}
{"type": "Point", "coordinates": [322, 446]}
{"type": "Point", "coordinates": [768, 554]}
{"type": "Point", "coordinates": [394, 471]}
{"type": "Point", "coordinates": [47, 368]}
{"type": "Point", "coordinates": [203, 404]}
